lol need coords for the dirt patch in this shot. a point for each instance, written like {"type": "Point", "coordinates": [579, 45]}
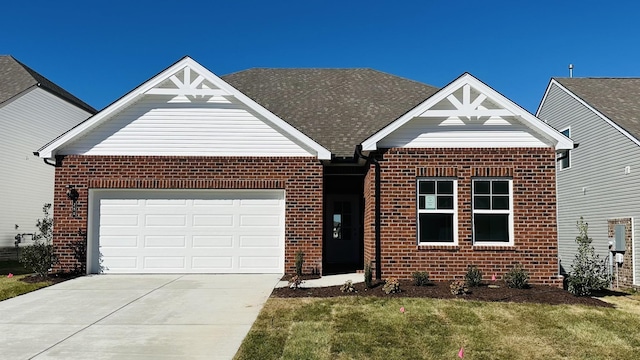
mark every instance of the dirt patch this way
{"type": "Point", "coordinates": [440, 290]}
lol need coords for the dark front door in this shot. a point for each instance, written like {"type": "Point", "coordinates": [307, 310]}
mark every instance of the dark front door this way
{"type": "Point", "coordinates": [343, 235]}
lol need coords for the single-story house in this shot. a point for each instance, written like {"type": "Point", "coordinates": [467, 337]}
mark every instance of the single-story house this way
{"type": "Point", "coordinates": [32, 111]}
{"type": "Point", "coordinates": [190, 172]}
{"type": "Point", "coordinates": [599, 179]}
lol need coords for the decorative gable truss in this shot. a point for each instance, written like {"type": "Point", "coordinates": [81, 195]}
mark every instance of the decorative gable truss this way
{"type": "Point", "coordinates": [467, 113]}
{"type": "Point", "coordinates": [185, 111]}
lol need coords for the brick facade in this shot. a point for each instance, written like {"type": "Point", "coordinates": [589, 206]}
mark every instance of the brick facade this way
{"type": "Point", "coordinates": [623, 273]}
{"type": "Point", "coordinates": [534, 202]}
{"type": "Point", "coordinates": [300, 177]}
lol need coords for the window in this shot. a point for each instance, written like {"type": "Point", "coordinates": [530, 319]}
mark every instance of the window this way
{"type": "Point", "coordinates": [492, 212]}
{"type": "Point", "coordinates": [564, 157]}
{"type": "Point", "coordinates": [437, 212]}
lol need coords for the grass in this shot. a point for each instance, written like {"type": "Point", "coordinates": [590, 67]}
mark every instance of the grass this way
{"type": "Point", "coordinates": [374, 328]}
{"type": "Point", "coordinates": [11, 287]}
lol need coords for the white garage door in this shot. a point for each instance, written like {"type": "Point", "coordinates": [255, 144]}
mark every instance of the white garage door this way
{"type": "Point", "coordinates": [187, 232]}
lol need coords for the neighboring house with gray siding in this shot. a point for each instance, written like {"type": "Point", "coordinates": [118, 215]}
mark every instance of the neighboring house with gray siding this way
{"type": "Point", "coordinates": [32, 111]}
{"type": "Point", "coordinates": [600, 179]}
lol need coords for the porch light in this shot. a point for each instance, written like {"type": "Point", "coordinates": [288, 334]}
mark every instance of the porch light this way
{"type": "Point", "coordinates": [73, 195]}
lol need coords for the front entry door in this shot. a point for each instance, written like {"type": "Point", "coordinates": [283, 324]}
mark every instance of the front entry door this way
{"type": "Point", "coordinates": [342, 233]}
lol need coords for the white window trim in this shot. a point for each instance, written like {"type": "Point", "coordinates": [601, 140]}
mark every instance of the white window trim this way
{"type": "Point", "coordinates": [560, 168]}
{"type": "Point", "coordinates": [509, 212]}
{"type": "Point", "coordinates": [453, 211]}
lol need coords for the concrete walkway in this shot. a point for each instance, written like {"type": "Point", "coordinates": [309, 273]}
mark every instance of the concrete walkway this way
{"type": "Point", "coordinates": [134, 317]}
{"type": "Point", "coordinates": [328, 280]}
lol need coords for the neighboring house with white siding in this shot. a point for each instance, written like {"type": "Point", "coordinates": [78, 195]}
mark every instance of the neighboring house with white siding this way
{"type": "Point", "coordinates": [32, 111]}
{"type": "Point", "coordinates": [600, 179]}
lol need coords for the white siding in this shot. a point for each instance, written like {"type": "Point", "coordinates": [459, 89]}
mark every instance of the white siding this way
{"type": "Point", "coordinates": [153, 126]}
{"type": "Point", "coordinates": [26, 183]}
{"type": "Point", "coordinates": [430, 133]}
{"type": "Point", "coordinates": [595, 186]}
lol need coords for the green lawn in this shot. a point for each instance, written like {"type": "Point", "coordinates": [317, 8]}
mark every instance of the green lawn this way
{"type": "Point", "coordinates": [374, 328]}
{"type": "Point", "coordinates": [11, 287]}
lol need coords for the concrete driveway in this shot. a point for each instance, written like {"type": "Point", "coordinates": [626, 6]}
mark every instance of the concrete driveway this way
{"type": "Point", "coordinates": [134, 317]}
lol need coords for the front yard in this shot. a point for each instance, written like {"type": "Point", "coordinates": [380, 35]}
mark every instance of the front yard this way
{"type": "Point", "coordinates": [376, 328]}
{"type": "Point", "coordinates": [13, 286]}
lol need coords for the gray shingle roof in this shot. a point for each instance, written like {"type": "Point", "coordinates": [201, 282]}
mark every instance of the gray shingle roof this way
{"type": "Point", "coordinates": [15, 78]}
{"type": "Point", "coordinates": [616, 98]}
{"type": "Point", "coordinates": [338, 108]}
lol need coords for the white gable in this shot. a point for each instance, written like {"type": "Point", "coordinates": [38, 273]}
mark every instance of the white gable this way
{"type": "Point", "coordinates": [185, 110]}
{"type": "Point", "coordinates": [467, 113]}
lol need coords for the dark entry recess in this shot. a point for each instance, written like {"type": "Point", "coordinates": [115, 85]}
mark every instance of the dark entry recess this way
{"type": "Point", "coordinates": [343, 245]}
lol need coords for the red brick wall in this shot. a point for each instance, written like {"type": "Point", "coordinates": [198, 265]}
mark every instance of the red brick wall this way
{"type": "Point", "coordinates": [534, 202]}
{"type": "Point", "coordinates": [301, 178]}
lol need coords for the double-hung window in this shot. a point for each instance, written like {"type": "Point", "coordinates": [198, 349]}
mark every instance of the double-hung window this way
{"type": "Point", "coordinates": [492, 211]}
{"type": "Point", "coordinates": [437, 211]}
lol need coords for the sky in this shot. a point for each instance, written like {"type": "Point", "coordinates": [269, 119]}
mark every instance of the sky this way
{"type": "Point", "coordinates": [99, 50]}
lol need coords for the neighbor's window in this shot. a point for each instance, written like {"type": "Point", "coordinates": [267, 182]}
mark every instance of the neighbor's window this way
{"type": "Point", "coordinates": [564, 156]}
{"type": "Point", "coordinates": [437, 211]}
{"type": "Point", "coordinates": [492, 212]}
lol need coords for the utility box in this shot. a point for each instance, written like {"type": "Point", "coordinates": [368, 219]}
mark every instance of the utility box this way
{"type": "Point", "coordinates": [620, 238]}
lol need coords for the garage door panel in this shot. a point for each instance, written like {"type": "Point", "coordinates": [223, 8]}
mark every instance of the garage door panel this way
{"type": "Point", "coordinates": [119, 241]}
{"type": "Point", "coordinates": [220, 241]}
{"type": "Point", "coordinates": [213, 220]}
{"type": "Point", "coordinates": [255, 241]}
{"type": "Point", "coordinates": [160, 231]}
{"type": "Point", "coordinates": [258, 262]}
{"type": "Point", "coordinates": [165, 220]}
{"type": "Point", "coordinates": [120, 220]}
{"type": "Point", "coordinates": [263, 221]}
{"type": "Point", "coordinates": [216, 263]}
{"type": "Point", "coordinates": [164, 263]}
{"type": "Point", "coordinates": [166, 241]}
{"type": "Point", "coordinates": [122, 264]}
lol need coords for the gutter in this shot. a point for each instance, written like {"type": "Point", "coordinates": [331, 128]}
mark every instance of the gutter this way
{"type": "Point", "coordinates": [375, 162]}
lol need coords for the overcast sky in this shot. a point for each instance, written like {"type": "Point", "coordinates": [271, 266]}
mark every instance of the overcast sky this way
{"type": "Point", "coordinates": [99, 50]}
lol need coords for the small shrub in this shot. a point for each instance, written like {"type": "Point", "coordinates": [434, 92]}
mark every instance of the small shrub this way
{"type": "Point", "coordinates": [391, 286]}
{"type": "Point", "coordinates": [295, 282]}
{"type": "Point", "coordinates": [368, 276]}
{"type": "Point", "coordinates": [299, 262]}
{"type": "Point", "coordinates": [473, 277]}
{"type": "Point", "coordinates": [347, 286]}
{"type": "Point", "coordinates": [588, 272]}
{"type": "Point", "coordinates": [517, 278]}
{"type": "Point", "coordinates": [459, 287]}
{"type": "Point", "coordinates": [40, 257]}
{"type": "Point", "coordinates": [420, 278]}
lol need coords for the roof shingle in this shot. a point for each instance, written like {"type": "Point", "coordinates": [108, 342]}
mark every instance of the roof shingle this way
{"type": "Point", "coordinates": [338, 108]}
{"type": "Point", "coordinates": [616, 98]}
{"type": "Point", "coordinates": [15, 78]}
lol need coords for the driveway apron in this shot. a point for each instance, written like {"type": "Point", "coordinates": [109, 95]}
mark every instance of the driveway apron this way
{"type": "Point", "coordinates": [134, 317]}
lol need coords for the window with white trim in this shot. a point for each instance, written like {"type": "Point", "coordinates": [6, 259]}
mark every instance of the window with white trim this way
{"type": "Point", "coordinates": [492, 211]}
{"type": "Point", "coordinates": [564, 156]}
{"type": "Point", "coordinates": [437, 211]}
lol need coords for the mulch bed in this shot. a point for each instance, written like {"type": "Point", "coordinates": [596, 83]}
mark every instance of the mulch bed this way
{"type": "Point", "coordinates": [440, 290]}
{"type": "Point", "coordinates": [55, 278]}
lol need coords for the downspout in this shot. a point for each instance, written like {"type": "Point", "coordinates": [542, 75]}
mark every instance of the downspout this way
{"type": "Point", "coordinates": [47, 161]}
{"type": "Point", "coordinates": [377, 208]}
